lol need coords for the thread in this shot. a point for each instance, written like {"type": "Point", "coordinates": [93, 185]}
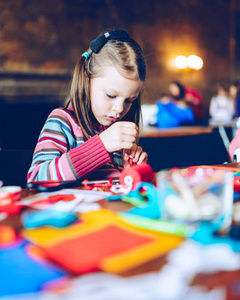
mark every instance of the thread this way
{"type": "Point", "coordinates": [137, 173]}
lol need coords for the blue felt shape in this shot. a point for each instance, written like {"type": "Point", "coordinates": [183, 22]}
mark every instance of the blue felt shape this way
{"type": "Point", "coordinates": [206, 234]}
{"type": "Point", "coordinates": [49, 217]}
{"type": "Point", "coordinates": [151, 209]}
{"type": "Point", "coordinates": [21, 274]}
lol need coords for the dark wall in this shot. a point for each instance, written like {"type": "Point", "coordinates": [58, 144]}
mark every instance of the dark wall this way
{"type": "Point", "coordinates": [38, 37]}
{"type": "Point", "coordinates": [21, 123]}
{"type": "Point", "coordinates": [185, 151]}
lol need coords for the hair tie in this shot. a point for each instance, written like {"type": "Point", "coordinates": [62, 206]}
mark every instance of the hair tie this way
{"type": "Point", "coordinates": [118, 35]}
{"type": "Point", "coordinates": [86, 55]}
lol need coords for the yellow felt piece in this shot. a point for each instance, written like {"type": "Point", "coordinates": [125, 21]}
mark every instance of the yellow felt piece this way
{"type": "Point", "coordinates": [134, 257]}
{"type": "Point", "coordinates": [90, 222]}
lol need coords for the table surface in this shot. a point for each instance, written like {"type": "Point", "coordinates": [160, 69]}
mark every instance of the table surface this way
{"type": "Point", "coordinates": [152, 131]}
{"type": "Point", "coordinates": [228, 280]}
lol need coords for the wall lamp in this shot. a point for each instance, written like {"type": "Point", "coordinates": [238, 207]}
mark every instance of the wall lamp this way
{"type": "Point", "coordinates": [191, 62]}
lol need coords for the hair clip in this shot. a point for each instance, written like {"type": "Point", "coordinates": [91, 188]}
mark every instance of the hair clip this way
{"type": "Point", "coordinates": [86, 55]}
{"type": "Point", "coordinates": [118, 35]}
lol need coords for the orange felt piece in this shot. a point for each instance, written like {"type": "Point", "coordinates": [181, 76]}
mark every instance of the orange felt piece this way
{"type": "Point", "coordinates": [83, 254]}
{"type": "Point", "coordinates": [7, 235]}
{"type": "Point", "coordinates": [102, 240]}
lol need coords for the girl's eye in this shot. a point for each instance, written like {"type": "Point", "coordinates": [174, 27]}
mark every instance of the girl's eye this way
{"type": "Point", "coordinates": [130, 101]}
{"type": "Point", "coordinates": [110, 96]}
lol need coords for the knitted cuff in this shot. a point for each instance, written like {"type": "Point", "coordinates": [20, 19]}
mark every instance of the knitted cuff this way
{"type": "Point", "coordinates": [89, 156]}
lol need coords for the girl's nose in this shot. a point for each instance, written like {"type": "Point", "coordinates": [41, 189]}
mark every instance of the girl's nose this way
{"type": "Point", "coordinates": [118, 106]}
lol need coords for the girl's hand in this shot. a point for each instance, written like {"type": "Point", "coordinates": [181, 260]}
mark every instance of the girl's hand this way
{"type": "Point", "coordinates": [136, 154]}
{"type": "Point", "coordinates": [120, 135]}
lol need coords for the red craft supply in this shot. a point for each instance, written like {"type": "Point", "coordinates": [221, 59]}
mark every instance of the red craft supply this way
{"type": "Point", "coordinates": [135, 174]}
{"type": "Point", "coordinates": [236, 184]}
{"type": "Point", "coordinates": [10, 194]}
{"type": "Point", "coordinates": [79, 255]}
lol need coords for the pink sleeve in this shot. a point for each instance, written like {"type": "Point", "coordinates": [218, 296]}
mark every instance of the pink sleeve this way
{"type": "Point", "coordinates": [89, 156]}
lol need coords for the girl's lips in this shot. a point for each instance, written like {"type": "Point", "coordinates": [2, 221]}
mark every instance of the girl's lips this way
{"type": "Point", "coordinates": [112, 119]}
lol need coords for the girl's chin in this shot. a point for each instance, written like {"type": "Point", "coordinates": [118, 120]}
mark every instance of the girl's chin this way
{"type": "Point", "coordinates": [108, 121]}
{"type": "Point", "coordinates": [105, 122]}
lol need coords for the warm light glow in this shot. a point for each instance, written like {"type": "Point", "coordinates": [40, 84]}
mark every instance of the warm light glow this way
{"type": "Point", "coordinates": [192, 62]}
{"type": "Point", "coordinates": [181, 62]}
{"type": "Point", "coordinates": [195, 62]}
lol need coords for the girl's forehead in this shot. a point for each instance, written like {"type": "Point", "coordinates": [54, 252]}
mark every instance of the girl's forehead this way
{"type": "Point", "coordinates": [114, 70]}
{"type": "Point", "coordinates": [112, 79]}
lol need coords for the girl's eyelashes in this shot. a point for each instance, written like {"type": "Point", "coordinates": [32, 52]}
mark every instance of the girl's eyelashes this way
{"type": "Point", "coordinates": [110, 96]}
{"type": "Point", "coordinates": [131, 100]}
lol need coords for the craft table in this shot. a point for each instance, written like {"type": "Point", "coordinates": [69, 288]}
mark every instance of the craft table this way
{"type": "Point", "coordinates": [161, 276]}
{"type": "Point", "coordinates": [153, 131]}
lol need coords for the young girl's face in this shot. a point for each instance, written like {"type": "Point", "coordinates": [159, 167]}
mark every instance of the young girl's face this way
{"type": "Point", "coordinates": [112, 95]}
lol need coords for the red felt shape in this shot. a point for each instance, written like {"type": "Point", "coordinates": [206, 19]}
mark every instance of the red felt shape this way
{"type": "Point", "coordinates": [139, 173]}
{"type": "Point", "coordinates": [83, 254]}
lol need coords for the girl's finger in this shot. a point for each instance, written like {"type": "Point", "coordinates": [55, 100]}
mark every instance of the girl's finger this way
{"type": "Point", "coordinates": [137, 154]}
{"type": "Point", "coordinates": [143, 158]}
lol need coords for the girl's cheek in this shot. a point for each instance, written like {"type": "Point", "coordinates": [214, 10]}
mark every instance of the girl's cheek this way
{"type": "Point", "coordinates": [128, 107]}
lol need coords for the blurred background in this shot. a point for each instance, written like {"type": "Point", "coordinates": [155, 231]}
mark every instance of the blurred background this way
{"type": "Point", "coordinates": [195, 42]}
{"type": "Point", "coordinates": [41, 41]}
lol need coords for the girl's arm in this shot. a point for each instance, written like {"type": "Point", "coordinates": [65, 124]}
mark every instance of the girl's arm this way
{"type": "Point", "coordinates": [62, 154]}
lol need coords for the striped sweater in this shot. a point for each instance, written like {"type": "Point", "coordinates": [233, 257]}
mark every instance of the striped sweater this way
{"type": "Point", "coordinates": [62, 153]}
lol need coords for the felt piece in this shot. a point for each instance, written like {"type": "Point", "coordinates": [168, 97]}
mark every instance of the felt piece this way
{"type": "Point", "coordinates": [83, 254]}
{"type": "Point", "coordinates": [151, 208]}
{"type": "Point", "coordinates": [206, 234]}
{"type": "Point", "coordinates": [160, 225]}
{"type": "Point", "coordinates": [20, 273]}
{"type": "Point", "coordinates": [48, 217]}
{"type": "Point", "coordinates": [103, 240]}
{"type": "Point", "coordinates": [7, 235]}
{"type": "Point", "coordinates": [138, 173]}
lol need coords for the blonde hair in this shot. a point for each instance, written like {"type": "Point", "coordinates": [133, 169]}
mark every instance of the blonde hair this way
{"type": "Point", "coordinates": [126, 57]}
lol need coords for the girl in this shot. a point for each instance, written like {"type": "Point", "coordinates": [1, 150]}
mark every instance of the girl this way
{"type": "Point", "coordinates": [88, 138]}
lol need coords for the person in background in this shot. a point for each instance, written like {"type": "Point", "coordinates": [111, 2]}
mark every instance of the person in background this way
{"type": "Point", "coordinates": [234, 93]}
{"type": "Point", "coordinates": [221, 105]}
{"type": "Point", "coordinates": [149, 112]}
{"type": "Point", "coordinates": [88, 138]}
{"type": "Point", "coordinates": [173, 111]}
{"type": "Point", "coordinates": [195, 102]}
{"type": "Point", "coordinates": [234, 147]}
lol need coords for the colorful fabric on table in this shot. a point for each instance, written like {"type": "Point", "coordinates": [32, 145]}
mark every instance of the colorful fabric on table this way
{"type": "Point", "coordinates": [20, 273]}
{"type": "Point", "coordinates": [102, 241]}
